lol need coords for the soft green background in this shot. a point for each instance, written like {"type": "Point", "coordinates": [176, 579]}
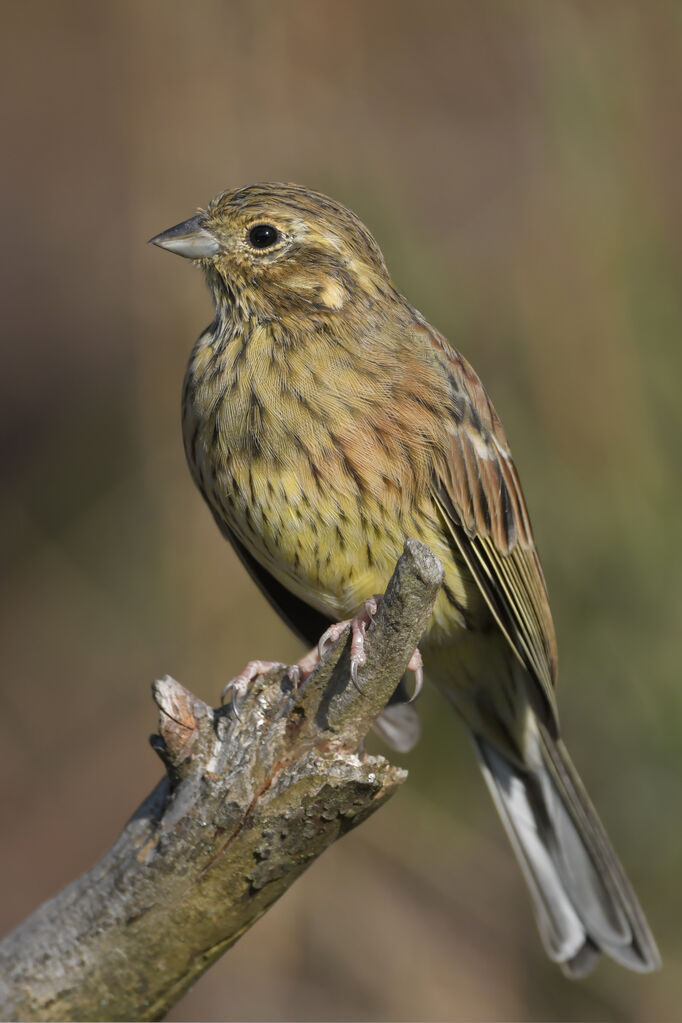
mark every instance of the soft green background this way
{"type": "Point", "coordinates": [520, 164]}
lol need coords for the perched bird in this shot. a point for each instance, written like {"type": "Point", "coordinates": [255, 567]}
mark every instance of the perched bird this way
{"type": "Point", "coordinates": [325, 421]}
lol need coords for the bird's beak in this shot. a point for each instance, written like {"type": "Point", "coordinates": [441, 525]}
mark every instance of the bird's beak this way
{"type": "Point", "coordinates": [189, 239]}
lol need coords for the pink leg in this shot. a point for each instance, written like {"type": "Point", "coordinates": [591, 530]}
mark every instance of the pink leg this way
{"type": "Point", "coordinates": [305, 667]}
{"type": "Point", "coordinates": [358, 657]}
{"type": "Point", "coordinates": [299, 672]}
{"type": "Point", "coordinates": [239, 685]}
{"type": "Point", "coordinates": [307, 664]}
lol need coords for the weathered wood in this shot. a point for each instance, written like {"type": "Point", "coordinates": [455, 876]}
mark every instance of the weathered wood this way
{"type": "Point", "coordinates": [246, 805]}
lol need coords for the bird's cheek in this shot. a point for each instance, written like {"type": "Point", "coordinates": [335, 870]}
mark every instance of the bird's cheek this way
{"type": "Point", "coordinates": [332, 294]}
{"type": "Point", "coordinates": [326, 292]}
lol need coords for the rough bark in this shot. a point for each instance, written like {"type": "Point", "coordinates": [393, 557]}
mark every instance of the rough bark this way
{"type": "Point", "coordinates": [246, 805]}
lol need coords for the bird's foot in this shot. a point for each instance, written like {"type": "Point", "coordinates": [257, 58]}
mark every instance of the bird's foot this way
{"type": "Point", "coordinates": [239, 685]}
{"type": "Point", "coordinates": [358, 628]}
{"type": "Point", "coordinates": [298, 673]}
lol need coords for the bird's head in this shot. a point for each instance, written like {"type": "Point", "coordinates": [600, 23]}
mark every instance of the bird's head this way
{"type": "Point", "coordinates": [273, 248]}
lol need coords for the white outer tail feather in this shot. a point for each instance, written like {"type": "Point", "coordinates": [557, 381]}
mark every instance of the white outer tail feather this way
{"type": "Point", "coordinates": [583, 902]}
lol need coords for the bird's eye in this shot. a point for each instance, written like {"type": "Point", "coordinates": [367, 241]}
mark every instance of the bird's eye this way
{"type": "Point", "coordinates": [263, 236]}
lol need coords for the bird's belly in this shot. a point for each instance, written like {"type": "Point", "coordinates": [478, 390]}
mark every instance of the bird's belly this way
{"type": "Point", "coordinates": [332, 546]}
{"type": "Point", "coordinates": [317, 545]}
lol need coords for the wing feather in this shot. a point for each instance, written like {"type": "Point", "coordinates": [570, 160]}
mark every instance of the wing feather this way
{"type": "Point", "coordinates": [480, 496]}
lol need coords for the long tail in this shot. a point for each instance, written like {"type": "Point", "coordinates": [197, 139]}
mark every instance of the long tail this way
{"type": "Point", "coordinates": [584, 903]}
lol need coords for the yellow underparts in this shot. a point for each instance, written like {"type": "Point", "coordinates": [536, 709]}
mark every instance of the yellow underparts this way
{"type": "Point", "coordinates": [323, 495]}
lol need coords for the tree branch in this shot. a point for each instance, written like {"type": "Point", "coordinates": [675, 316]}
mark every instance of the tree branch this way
{"type": "Point", "coordinates": [246, 805]}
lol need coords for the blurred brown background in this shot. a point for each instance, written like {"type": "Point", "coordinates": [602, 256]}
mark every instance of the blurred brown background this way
{"type": "Point", "coordinates": [520, 164]}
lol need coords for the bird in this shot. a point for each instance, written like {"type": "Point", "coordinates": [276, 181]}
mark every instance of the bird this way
{"type": "Point", "coordinates": [325, 421]}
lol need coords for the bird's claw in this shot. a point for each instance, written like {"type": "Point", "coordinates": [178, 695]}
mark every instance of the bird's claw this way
{"type": "Point", "coordinates": [239, 685]}
{"type": "Point", "coordinates": [298, 673]}
{"type": "Point", "coordinates": [295, 675]}
{"type": "Point", "coordinates": [358, 656]}
{"type": "Point", "coordinates": [358, 628]}
{"type": "Point", "coordinates": [416, 665]}
{"type": "Point", "coordinates": [329, 637]}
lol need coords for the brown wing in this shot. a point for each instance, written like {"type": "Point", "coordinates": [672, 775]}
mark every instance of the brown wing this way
{"type": "Point", "coordinates": [479, 493]}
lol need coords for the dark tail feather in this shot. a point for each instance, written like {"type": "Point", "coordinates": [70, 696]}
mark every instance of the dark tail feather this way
{"type": "Point", "coordinates": [583, 901]}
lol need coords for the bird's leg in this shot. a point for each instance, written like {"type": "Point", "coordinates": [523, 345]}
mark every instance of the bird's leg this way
{"type": "Point", "coordinates": [300, 671]}
{"type": "Point", "coordinates": [239, 685]}
{"type": "Point", "coordinates": [358, 627]}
